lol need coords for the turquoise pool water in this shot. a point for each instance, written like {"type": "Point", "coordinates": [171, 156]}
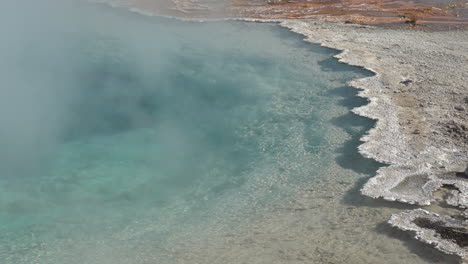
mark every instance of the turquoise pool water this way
{"type": "Point", "coordinates": [121, 133]}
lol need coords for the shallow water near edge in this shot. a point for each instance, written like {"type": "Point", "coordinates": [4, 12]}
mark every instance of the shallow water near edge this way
{"type": "Point", "coordinates": [128, 139]}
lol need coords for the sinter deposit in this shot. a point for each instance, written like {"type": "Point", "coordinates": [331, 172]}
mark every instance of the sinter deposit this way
{"type": "Point", "coordinates": [419, 97]}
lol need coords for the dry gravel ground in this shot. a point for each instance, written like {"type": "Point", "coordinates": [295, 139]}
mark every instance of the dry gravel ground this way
{"type": "Point", "coordinates": [419, 96]}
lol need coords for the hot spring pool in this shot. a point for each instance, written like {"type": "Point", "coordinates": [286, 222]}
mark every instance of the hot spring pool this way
{"type": "Point", "coordinates": [127, 139]}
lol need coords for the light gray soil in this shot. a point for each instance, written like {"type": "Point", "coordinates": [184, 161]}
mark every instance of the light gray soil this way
{"type": "Point", "coordinates": [419, 96]}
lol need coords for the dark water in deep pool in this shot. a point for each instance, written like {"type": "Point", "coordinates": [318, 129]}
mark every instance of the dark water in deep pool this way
{"type": "Point", "coordinates": [116, 126]}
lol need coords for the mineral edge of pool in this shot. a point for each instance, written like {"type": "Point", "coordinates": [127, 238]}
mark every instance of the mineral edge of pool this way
{"type": "Point", "coordinates": [128, 139]}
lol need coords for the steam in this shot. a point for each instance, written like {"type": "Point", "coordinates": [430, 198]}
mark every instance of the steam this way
{"type": "Point", "coordinates": [48, 50]}
{"type": "Point", "coordinates": [65, 69]}
{"type": "Point", "coordinates": [69, 70]}
{"type": "Point", "coordinates": [33, 88]}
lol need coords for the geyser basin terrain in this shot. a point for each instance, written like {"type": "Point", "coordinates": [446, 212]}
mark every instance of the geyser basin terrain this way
{"type": "Point", "coordinates": [139, 140]}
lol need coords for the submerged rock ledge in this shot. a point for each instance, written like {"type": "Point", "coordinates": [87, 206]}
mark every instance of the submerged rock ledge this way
{"type": "Point", "coordinates": [419, 97]}
{"type": "Point", "coordinates": [446, 233]}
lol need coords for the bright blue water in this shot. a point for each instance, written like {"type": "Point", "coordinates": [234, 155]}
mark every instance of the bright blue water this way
{"type": "Point", "coordinates": [116, 126]}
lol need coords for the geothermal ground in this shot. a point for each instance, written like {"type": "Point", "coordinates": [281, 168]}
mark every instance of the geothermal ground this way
{"type": "Point", "coordinates": [419, 96]}
{"type": "Point", "coordinates": [432, 14]}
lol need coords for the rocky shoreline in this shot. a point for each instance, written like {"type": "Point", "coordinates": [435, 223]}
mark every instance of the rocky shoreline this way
{"type": "Point", "coordinates": [419, 95]}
